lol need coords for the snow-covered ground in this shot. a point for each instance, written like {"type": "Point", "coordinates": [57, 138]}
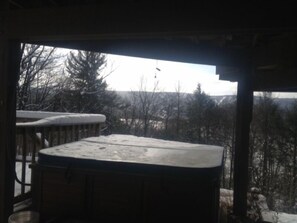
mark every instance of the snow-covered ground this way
{"type": "Point", "coordinates": [279, 217]}
{"type": "Point", "coordinates": [226, 202]}
{"type": "Point", "coordinates": [286, 218]}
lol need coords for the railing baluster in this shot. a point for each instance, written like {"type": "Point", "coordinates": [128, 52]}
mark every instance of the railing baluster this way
{"type": "Point", "coordinates": [59, 135]}
{"type": "Point", "coordinates": [52, 135]}
{"type": "Point", "coordinates": [89, 130]}
{"type": "Point", "coordinates": [92, 129]}
{"type": "Point", "coordinates": [81, 130]}
{"type": "Point", "coordinates": [47, 135]}
{"type": "Point", "coordinates": [97, 130]}
{"type": "Point", "coordinates": [76, 133]}
{"type": "Point", "coordinates": [18, 143]}
{"type": "Point", "coordinates": [72, 133]}
{"type": "Point", "coordinates": [65, 133]}
{"type": "Point", "coordinates": [34, 145]}
{"type": "Point", "coordinates": [85, 131]}
{"type": "Point", "coordinates": [42, 138]}
{"type": "Point", "coordinates": [24, 156]}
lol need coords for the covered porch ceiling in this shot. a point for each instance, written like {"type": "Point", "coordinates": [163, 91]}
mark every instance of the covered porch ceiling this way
{"type": "Point", "coordinates": [260, 37]}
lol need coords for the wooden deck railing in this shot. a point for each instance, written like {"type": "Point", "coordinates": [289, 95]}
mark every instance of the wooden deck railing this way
{"type": "Point", "coordinates": [34, 136]}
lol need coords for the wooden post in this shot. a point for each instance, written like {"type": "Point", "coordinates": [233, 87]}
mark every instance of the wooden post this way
{"type": "Point", "coordinates": [9, 69]}
{"type": "Point", "coordinates": [243, 120]}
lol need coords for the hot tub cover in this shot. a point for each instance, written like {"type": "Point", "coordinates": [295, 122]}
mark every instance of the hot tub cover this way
{"type": "Point", "coordinates": [134, 150]}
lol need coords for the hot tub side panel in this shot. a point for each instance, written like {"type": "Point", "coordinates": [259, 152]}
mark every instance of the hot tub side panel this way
{"type": "Point", "coordinates": [97, 194]}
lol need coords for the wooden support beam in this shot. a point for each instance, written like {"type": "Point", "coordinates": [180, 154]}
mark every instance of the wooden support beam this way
{"type": "Point", "coordinates": [243, 120]}
{"type": "Point", "coordinates": [9, 69]}
{"type": "Point", "coordinates": [181, 50]}
{"type": "Point", "coordinates": [279, 79]}
{"type": "Point", "coordinates": [113, 19]}
{"type": "Point", "coordinates": [103, 21]}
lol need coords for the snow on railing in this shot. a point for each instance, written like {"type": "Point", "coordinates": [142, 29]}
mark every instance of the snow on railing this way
{"type": "Point", "coordinates": [74, 117]}
{"type": "Point", "coordinates": [39, 114]}
{"type": "Point", "coordinates": [49, 130]}
{"type": "Point", "coordinates": [69, 119]}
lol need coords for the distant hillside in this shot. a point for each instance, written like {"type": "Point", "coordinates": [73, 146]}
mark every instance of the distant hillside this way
{"type": "Point", "coordinates": [128, 94]}
{"type": "Point", "coordinates": [282, 102]}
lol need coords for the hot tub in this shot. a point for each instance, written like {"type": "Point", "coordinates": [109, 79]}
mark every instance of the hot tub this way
{"type": "Point", "coordinates": [128, 178]}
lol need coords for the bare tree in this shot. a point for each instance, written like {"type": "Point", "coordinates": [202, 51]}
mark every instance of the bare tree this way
{"type": "Point", "coordinates": [141, 109]}
{"type": "Point", "coordinates": [291, 158]}
{"type": "Point", "coordinates": [38, 77]}
{"type": "Point", "coordinates": [179, 108]}
{"type": "Point", "coordinates": [167, 111]}
{"type": "Point", "coordinates": [129, 113]}
{"type": "Point", "coordinates": [266, 129]}
{"type": "Point", "coordinates": [172, 112]}
{"type": "Point", "coordinates": [148, 104]}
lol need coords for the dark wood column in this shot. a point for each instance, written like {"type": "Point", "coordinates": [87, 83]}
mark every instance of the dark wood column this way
{"type": "Point", "coordinates": [9, 69]}
{"type": "Point", "coordinates": [243, 120]}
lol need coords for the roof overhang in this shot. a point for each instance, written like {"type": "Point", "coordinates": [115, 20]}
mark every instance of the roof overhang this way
{"type": "Point", "coordinates": [240, 40]}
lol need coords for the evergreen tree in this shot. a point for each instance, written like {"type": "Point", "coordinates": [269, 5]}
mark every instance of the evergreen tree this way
{"type": "Point", "coordinates": [86, 90]}
{"type": "Point", "coordinates": [201, 111]}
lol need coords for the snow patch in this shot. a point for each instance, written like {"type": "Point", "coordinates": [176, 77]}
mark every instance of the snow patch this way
{"type": "Point", "coordinates": [286, 218]}
{"type": "Point", "coordinates": [67, 120]}
{"type": "Point", "coordinates": [39, 114]}
{"type": "Point", "coordinates": [226, 204]}
{"type": "Point", "coordinates": [131, 140]}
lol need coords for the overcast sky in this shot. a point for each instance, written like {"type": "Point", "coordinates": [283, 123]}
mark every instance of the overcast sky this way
{"type": "Point", "coordinates": [127, 72]}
